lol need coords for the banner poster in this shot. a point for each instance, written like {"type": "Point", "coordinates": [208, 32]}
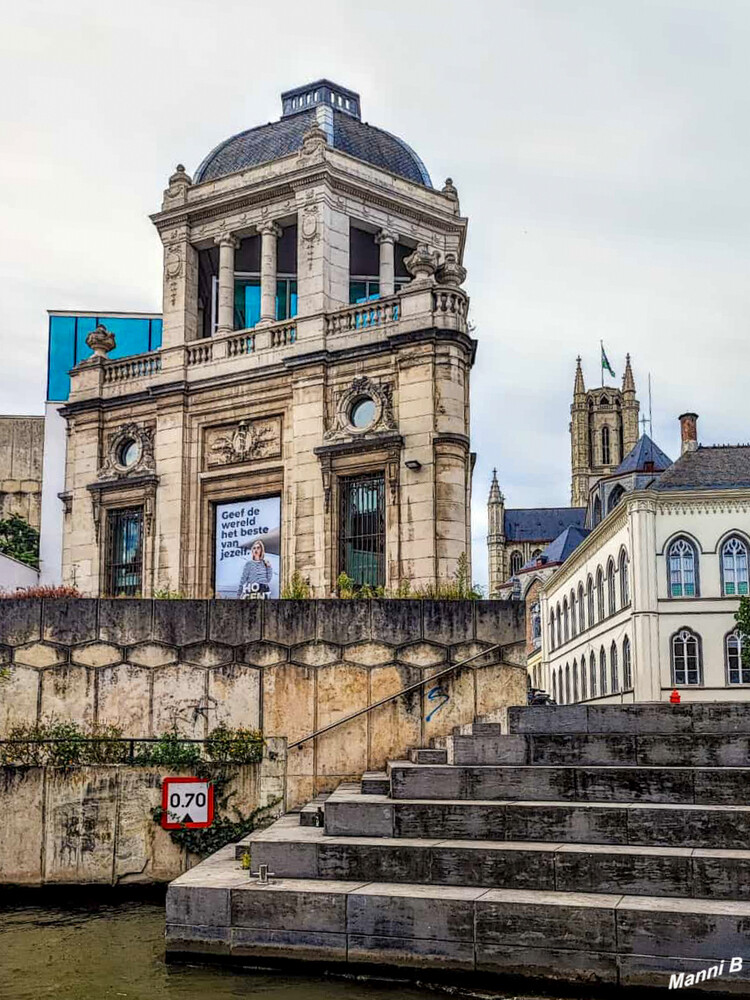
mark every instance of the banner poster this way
{"type": "Point", "coordinates": [247, 560]}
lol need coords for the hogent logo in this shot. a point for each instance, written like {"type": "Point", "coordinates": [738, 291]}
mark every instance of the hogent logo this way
{"type": "Point", "coordinates": [680, 980]}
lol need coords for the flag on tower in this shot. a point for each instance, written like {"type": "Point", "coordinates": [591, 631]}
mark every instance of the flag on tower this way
{"type": "Point", "coordinates": [605, 362]}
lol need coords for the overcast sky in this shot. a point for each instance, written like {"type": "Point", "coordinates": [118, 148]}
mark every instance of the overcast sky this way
{"type": "Point", "coordinates": [599, 148]}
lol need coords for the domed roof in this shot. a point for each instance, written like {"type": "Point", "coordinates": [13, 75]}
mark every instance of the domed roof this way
{"type": "Point", "coordinates": [337, 111]}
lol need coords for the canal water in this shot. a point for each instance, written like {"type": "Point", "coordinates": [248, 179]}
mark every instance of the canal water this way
{"type": "Point", "coordinates": [89, 949]}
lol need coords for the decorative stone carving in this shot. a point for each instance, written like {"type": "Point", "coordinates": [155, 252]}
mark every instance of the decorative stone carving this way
{"type": "Point", "coordinates": [451, 272]}
{"type": "Point", "coordinates": [245, 441]}
{"type": "Point", "coordinates": [101, 341]}
{"type": "Point", "coordinates": [310, 230]}
{"type": "Point", "coordinates": [422, 264]}
{"type": "Point", "coordinates": [142, 464]}
{"type": "Point", "coordinates": [449, 189]}
{"type": "Point", "coordinates": [314, 142]}
{"type": "Point", "coordinates": [381, 393]}
{"type": "Point", "coordinates": [179, 183]}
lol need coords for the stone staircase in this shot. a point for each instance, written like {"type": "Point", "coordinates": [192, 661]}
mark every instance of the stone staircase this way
{"type": "Point", "coordinates": [601, 845]}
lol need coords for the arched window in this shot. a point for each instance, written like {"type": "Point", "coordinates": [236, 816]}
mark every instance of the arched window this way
{"type": "Point", "coordinates": [605, 446]}
{"type": "Point", "coordinates": [581, 610]}
{"type": "Point", "coordinates": [734, 567]}
{"type": "Point", "coordinates": [687, 667]}
{"type": "Point", "coordinates": [560, 685]}
{"type": "Point", "coordinates": [615, 497]}
{"type": "Point", "coordinates": [599, 594]}
{"type": "Point", "coordinates": [536, 553]}
{"type": "Point", "coordinates": [558, 619]}
{"type": "Point", "coordinates": [611, 601]}
{"type": "Point", "coordinates": [567, 683]}
{"type": "Point", "coordinates": [683, 569]}
{"type": "Point", "coordinates": [603, 670]}
{"type": "Point", "coordinates": [584, 692]}
{"type": "Point", "coordinates": [516, 562]}
{"type": "Point", "coordinates": [597, 511]}
{"type": "Point", "coordinates": [613, 670]}
{"type": "Point", "coordinates": [575, 680]}
{"type": "Point", "coordinates": [590, 602]}
{"type": "Point", "coordinates": [624, 579]}
{"type": "Point", "coordinates": [737, 672]}
{"type": "Point", "coordinates": [554, 686]}
{"type": "Point", "coordinates": [573, 615]}
{"type": "Point", "coordinates": [566, 621]}
{"type": "Point", "coordinates": [592, 674]}
{"type": "Point", "coordinates": [627, 665]}
{"type": "Point", "coordinates": [551, 630]}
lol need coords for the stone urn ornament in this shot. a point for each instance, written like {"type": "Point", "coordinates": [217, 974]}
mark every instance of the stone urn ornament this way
{"type": "Point", "coordinates": [451, 272]}
{"type": "Point", "coordinates": [422, 263]}
{"type": "Point", "coordinates": [101, 341]}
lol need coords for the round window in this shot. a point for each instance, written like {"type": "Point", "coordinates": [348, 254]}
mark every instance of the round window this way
{"type": "Point", "coordinates": [362, 412]}
{"type": "Point", "coordinates": [129, 451]}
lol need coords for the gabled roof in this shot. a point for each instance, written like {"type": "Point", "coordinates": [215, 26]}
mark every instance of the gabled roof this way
{"type": "Point", "coordinates": [718, 467]}
{"type": "Point", "coordinates": [541, 524]}
{"type": "Point", "coordinates": [645, 456]}
{"type": "Point", "coordinates": [564, 545]}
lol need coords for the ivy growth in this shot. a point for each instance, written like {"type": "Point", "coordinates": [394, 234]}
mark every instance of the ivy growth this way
{"type": "Point", "coordinates": [19, 540]}
{"type": "Point", "coordinates": [742, 617]}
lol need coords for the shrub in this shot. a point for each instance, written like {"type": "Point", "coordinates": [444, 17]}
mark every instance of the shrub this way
{"type": "Point", "coordinates": [298, 588]}
{"type": "Point", "coordinates": [73, 744]}
{"type": "Point", "coordinates": [235, 746]}
{"type": "Point", "coordinates": [46, 592]}
{"type": "Point", "coordinates": [19, 540]}
{"type": "Point", "coordinates": [170, 749]}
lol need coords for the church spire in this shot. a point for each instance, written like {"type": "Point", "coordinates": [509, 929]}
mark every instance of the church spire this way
{"type": "Point", "coordinates": [628, 382]}
{"type": "Point", "coordinates": [579, 389]}
{"type": "Point", "coordinates": [496, 495]}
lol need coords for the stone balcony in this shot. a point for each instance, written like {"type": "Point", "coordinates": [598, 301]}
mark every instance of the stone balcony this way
{"type": "Point", "coordinates": [426, 306]}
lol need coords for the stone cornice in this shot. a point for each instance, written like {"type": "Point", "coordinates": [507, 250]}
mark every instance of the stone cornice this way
{"type": "Point", "coordinates": [601, 534]}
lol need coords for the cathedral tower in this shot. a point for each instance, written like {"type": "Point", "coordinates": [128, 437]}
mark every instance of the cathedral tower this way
{"type": "Point", "coordinates": [496, 534]}
{"type": "Point", "coordinates": [603, 429]}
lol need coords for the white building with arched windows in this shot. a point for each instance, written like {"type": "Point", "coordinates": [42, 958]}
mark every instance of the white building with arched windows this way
{"type": "Point", "coordinates": [646, 602]}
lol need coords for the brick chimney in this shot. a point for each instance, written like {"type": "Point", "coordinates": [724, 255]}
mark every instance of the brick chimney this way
{"type": "Point", "coordinates": [689, 431]}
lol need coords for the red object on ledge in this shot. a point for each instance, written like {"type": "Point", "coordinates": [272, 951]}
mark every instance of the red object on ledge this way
{"type": "Point", "coordinates": [675, 697]}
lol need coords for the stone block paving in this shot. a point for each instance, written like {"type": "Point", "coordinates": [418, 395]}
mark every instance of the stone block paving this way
{"type": "Point", "coordinates": [592, 846]}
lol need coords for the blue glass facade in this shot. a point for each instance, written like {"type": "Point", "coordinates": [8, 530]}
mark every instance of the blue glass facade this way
{"type": "Point", "coordinates": [67, 344]}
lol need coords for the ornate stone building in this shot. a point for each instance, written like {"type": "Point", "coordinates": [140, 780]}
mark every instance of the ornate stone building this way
{"type": "Point", "coordinates": [21, 448]}
{"type": "Point", "coordinates": [603, 430]}
{"type": "Point", "coordinates": [311, 390]}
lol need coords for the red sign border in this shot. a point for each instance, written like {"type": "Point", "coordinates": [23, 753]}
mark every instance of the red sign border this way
{"type": "Point", "coordinates": [166, 782]}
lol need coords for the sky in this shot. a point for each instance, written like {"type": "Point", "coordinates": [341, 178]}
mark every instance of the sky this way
{"type": "Point", "coordinates": [600, 150]}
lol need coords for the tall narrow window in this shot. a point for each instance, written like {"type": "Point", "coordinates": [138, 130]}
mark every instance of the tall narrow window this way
{"type": "Point", "coordinates": [597, 511]}
{"type": "Point", "coordinates": [575, 680]}
{"type": "Point", "coordinates": [599, 594]}
{"type": "Point", "coordinates": [737, 671]}
{"type": "Point", "coordinates": [581, 610]}
{"type": "Point", "coordinates": [687, 667]}
{"type": "Point", "coordinates": [682, 569]}
{"type": "Point", "coordinates": [536, 625]}
{"type": "Point", "coordinates": [734, 567]}
{"type": "Point", "coordinates": [364, 266]}
{"type": "Point", "coordinates": [560, 685]}
{"type": "Point", "coordinates": [554, 686]}
{"type": "Point", "coordinates": [573, 615]}
{"type": "Point", "coordinates": [605, 446]}
{"type": "Point", "coordinates": [627, 664]}
{"type": "Point", "coordinates": [123, 571]}
{"type": "Point", "coordinates": [603, 670]}
{"type": "Point", "coordinates": [551, 630]}
{"type": "Point", "coordinates": [584, 686]}
{"type": "Point", "coordinates": [613, 668]}
{"type": "Point", "coordinates": [592, 674]}
{"type": "Point", "coordinates": [611, 601]}
{"type": "Point", "coordinates": [567, 683]}
{"type": "Point", "coordinates": [558, 619]}
{"type": "Point", "coordinates": [566, 621]}
{"type": "Point", "coordinates": [516, 562]}
{"type": "Point", "coordinates": [624, 579]}
{"type": "Point", "coordinates": [590, 602]}
{"type": "Point", "coordinates": [362, 529]}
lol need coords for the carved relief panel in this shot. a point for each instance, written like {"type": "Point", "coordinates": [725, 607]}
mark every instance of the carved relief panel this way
{"type": "Point", "coordinates": [242, 442]}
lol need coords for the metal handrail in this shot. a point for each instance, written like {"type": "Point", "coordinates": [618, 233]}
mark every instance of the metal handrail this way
{"type": "Point", "coordinates": [392, 697]}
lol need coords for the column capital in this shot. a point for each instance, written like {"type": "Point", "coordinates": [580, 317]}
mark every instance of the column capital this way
{"type": "Point", "coordinates": [386, 236]}
{"type": "Point", "coordinates": [269, 228]}
{"type": "Point", "coordinates": [227, 239]}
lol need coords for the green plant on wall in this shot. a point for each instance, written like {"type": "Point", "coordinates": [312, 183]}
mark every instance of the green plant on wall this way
{"type": "Point", "coordinates": [742, 617]}
{"type": "Point", "coordinates": [298, 588]}
{"type": "Point", "coordinates": [19, 540]}
{"type": "Point", "coordinates": [460, 588]}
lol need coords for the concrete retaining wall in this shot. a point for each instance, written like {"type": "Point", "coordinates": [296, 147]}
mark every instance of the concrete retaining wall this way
{"type": "Point", "coordinates": [94, 824]}
{"type": "Point", "coordinates": [288, 667]}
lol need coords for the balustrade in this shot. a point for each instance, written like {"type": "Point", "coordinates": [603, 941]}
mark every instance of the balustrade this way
{"type": "Point", "coordinates": [244, 344]}
{"type": "Point", "coordinates": [199, 354]}
{"type": "Point", "coordinates": [140, 366]}
{"type": "Point", "coordinates": [379, 312]}
{"type": "Point", "coordinates": [281, 336]}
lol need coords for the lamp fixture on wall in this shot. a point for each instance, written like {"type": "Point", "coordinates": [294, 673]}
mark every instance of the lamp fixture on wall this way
{"type": "Point", "coordinates": [413, 464]}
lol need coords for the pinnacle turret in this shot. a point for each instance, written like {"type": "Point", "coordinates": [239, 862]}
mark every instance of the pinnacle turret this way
{"type": "Point", "coordinates": [579, 389]}
{"type": "Point", "coordinates": [628, 382]}
{"type": "Point", "coordinates": [496, 495]}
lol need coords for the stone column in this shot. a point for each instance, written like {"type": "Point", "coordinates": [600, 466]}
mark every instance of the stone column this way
{"type": "Point", "coordinates": [387, 267]}
{"type": "Point", "coordinates": [270, 232]}
{"type": "Point", "coordinates": [227, 244]}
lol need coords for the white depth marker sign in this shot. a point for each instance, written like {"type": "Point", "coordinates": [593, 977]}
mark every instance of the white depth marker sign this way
{"type": "Point", "coordinates": [187, 802]}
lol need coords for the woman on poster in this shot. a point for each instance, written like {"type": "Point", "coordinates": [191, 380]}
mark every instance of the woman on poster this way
{"type": "Point", "coordinates": [257, 573]}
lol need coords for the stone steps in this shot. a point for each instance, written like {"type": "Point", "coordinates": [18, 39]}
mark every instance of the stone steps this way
{"type": "Point", "coordinates": [605, 938]}
{"type": "Point", "coordinates": [676, 785]}
{"type": "Point", "coordinates": [661, 718]}
{"type": "Point", "coordinates": [349, 814]}
{"type": "Point", "coordinates": [429, 755]}
{"type": "Point", "coordinates": [602, 749]}
{"type": "Point", "coordinates": [375, 783]}
{"type": "Point", "coordinates": [652, 871]}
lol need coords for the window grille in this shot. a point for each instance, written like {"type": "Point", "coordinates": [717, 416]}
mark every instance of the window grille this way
{"type": "Point", "coordinates": [362, 529]}
{"type": "Point", "coordinates": [123, 570]}
{"type": "Point", "coordinates": [686, 658]}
